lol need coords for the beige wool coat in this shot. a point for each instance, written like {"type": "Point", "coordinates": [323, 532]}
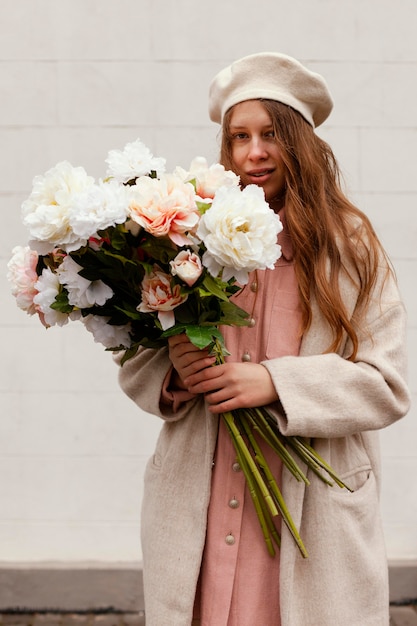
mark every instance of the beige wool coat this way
{"type": "Point", "coordinates": [340, 405]}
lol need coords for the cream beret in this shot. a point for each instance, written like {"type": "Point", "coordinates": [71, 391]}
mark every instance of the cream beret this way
{"type": "Point", "coordinates": [273, 76]}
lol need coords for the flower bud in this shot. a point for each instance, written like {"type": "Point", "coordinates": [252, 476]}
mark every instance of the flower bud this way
{"type": "Point", "coordinates": [187, 266]}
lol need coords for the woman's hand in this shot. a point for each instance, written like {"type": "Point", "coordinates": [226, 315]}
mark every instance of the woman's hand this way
{"type": "Point", "coordinates": [232, 386]}
{"type": "Point", "coordinates": [187, 359]}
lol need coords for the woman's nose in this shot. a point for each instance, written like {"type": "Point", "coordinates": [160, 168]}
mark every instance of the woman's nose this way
{"type": "Point", "coordinates": [257, 149]}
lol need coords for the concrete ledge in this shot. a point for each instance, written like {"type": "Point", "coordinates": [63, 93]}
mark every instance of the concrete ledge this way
{"type": "Point", "coordinates": [71, 587]}
{"type": "Point", "coordinates": [403, 581]}
{"type": "Point", "coordinates": [80, 587]}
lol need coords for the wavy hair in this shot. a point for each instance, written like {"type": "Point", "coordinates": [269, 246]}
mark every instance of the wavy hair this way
{"type": "Point", "coordinates": [329, 234]}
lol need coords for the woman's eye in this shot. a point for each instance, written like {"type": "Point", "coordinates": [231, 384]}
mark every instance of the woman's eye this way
{"type": "Point", "coordinates": [270, 133]}
{"type": "Point", "coordinates": [239, 136]}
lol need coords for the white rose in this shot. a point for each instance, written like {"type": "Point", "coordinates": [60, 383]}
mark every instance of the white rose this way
{"type": "Point", "coordinates": [82, 293]}
{"type": "Point", "coordinates": [133, 161]}
{"type": "Point", "coordinates": [240, 233]}
{"type": "Point", "coordinates": [187, 265]}
{"type": "Point", "coordinates": [47, 211]}
{"type": "Point", "coordinates": [109, 335]}
{"type": "Point", "coordinates": [97, 208]}
{"type": "Point", "coordinates": [48, 288]}
{"type": "Point", "coordinates": [208, 179]}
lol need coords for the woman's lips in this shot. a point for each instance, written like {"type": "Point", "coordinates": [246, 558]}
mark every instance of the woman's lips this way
{"type": "Point", "coordinates": [259, 176]}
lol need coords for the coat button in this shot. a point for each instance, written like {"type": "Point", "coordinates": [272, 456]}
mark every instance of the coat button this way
{"type": "Point", "coordinates": [233, 503]}
{"type": "Point", "coordinates": [236, 467]}
{"type": "Point", "coordinates": [230, 540]}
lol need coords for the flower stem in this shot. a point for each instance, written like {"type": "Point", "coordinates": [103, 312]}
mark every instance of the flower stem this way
{"type": "Point", "coordinates": [265, 493]}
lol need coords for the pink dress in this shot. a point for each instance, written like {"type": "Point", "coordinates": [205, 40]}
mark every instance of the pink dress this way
{"type": "Point", "coordinates": [239, 580]}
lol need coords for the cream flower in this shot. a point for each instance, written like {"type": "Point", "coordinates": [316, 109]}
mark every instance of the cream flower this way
{"type": "Point", "coordinates": [47, 210]}
{"type": "Point", "coordinates": [160, 295]}
{"type": "Point", "coordinates": [21, 273]}
{"type": "Point", "coordinates": [207, 179]}
{"type": "Point", "coordinates": [133, 161]}
{"type": "Point", "coordinates": [240, 233]}
{"type": "Point", "coordinates": [164, 207]}
{"type": "Point", "coordinates": [187, 266]}
{"type": "Point", "coordinates": [82, 293]}
{"type": "Point", "coordinates": [48, 288]}
{"type": "Point", "coordinates": [109, 335]}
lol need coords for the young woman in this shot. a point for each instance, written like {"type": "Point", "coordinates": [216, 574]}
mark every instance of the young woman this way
{"type": "Point", "coordinates": [325, 351]}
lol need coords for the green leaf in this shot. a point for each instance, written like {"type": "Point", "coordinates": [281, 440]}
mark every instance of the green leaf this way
{"type": "Point", "coordinates": [233, 315]}
{"type": "Point", "coordinates": [160, 249]}
{"type": "Point", "coordinates": [203, 207]}
{"type": "Point", "coordinates": [61, 303]}
{"type": "Point", "coordinates": [203, 336]}
{"type": "Point", "coordinates": [215, 287]}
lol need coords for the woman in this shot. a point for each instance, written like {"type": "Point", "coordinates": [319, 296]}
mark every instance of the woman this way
{"type": "Point", "coordinates": [325, 352]}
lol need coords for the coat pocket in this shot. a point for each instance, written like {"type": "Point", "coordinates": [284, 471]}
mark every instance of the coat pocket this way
{"type": "Point", "coordinates": [284, 334]}
{"type": "Point", "coordinates": [364, 489]}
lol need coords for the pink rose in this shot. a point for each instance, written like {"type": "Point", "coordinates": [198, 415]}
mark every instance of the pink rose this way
{"type": "Point", "coordinates": [164, 207]}
{"type": "Point", "coordinates": [159, 294]}
{"type": "Point", "coordinates": [207, 179]}
{"type": "Point", "coordinates": [187, 265]}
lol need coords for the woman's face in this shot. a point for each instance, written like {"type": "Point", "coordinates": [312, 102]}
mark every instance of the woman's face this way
{"type": "Point", "coordinates": [255, 152]}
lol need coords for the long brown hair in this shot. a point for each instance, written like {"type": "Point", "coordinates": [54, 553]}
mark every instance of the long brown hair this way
{"type": "Point", "coordinates": [329, 234]}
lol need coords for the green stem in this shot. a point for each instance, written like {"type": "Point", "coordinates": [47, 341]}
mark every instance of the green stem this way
{"type": "Point", "coordinates": [275, 440]}
{"type": "Point", "coordinates": [240, 445]}
{"type": "Point", "coordinates": [286, 515]}
{"type": "Point", "coordinates": [262, 511]}
{"type": "Point", "coordinates": [264, 491]}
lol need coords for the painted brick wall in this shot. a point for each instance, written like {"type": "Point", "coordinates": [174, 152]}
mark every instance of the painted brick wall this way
{"type": "Point", "coordinates": [79, 77]}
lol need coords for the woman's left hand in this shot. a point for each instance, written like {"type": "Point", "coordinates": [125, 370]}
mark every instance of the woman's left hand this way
{"type": "Point", "coordinates": [233, 385]}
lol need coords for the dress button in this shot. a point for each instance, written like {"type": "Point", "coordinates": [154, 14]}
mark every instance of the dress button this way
{"type": "Point", "coordinates": [236, 467]}
{"type": "Point", "coordinates": [252, 322]}
{"type": "Point", "coordinates": [233, 503]}
{"type": "Point", "coordinates": [254, 286]}
{"type": "Point", "coordinates": [230, 540]}
{"type": "Point", "coordinates": [246, 357]}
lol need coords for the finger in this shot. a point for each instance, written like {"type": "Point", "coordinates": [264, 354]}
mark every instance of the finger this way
{"type": "Point", "coordinates": [180, 338]}
{"type": "Point", "coordinates": [207, 379]}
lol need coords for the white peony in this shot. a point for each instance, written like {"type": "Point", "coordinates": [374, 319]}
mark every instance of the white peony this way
{"type": "Point", "coordinates": [108, 335]}
{"type": "Point", "coordinates": [207, 179]}
{"type": "Point", "coordinates": [133, 161]}
{"type": "Point", "coordinates": [21, 273]}
{"type": "Point", "coordinates": [240, 233]}
{"type": "Point", "coordinates": [97, 208]}
{"type": "Point", "coordinates": [48, 288]}
{"type": "Point", "coordinates": [47, 211]}
{"type": "Point", "coordinates": [82, 293]}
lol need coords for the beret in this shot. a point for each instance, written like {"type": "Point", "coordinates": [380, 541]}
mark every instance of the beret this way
{"type": "Point", "coordinates": [274, 76]}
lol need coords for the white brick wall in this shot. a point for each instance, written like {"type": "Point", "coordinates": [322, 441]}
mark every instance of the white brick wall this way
{"type": "Point", "coordinates": [79, 77]}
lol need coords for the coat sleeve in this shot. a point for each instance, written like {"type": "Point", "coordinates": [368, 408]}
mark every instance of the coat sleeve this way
{"type": "Point", "coordinates": [326, 395]}
{"type": "Point", "coordinates": [145, 380]}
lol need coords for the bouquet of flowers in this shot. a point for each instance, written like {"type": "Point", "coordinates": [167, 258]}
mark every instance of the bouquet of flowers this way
{"type": "Point", "coordinates": [144, 254]}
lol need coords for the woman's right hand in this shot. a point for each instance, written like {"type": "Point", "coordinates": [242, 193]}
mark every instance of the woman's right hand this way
{"type": "Point", "coordinates": [186, 358]}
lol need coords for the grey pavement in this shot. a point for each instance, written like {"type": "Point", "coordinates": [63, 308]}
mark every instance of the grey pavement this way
{"type": "Point", "coordinates": [399, 616]}
{"type": "Point", "coordinates": [72, 619]}
{"type": "Point", "coordinates": [403, 615]}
